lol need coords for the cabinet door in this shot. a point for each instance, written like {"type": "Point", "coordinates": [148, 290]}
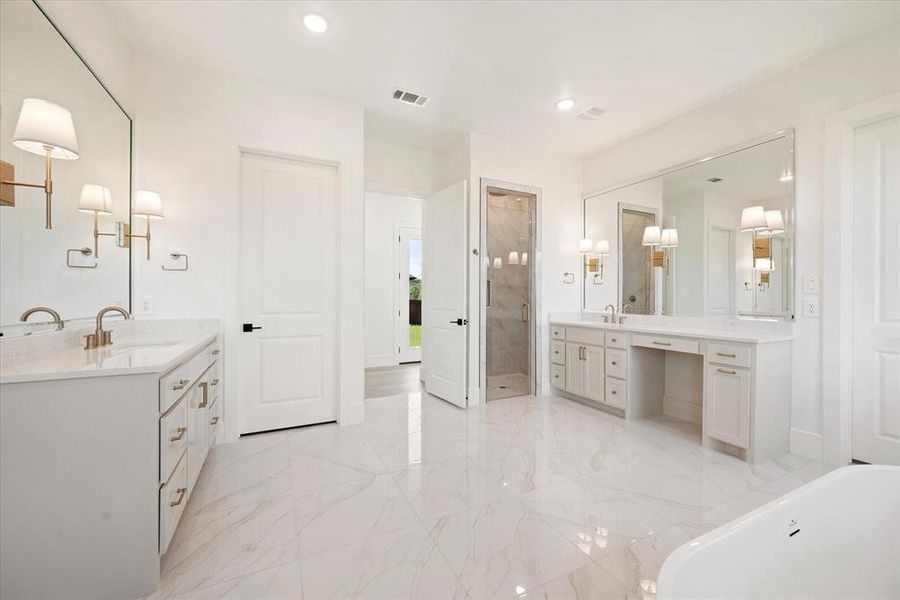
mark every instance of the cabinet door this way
{"type": "Point", "coordinates": [727, 414]}
{"type": "Point", "coordinates": [574, 369]}
{"type": "Point", "coordinates": [594, 373]}
{"type": "Point", "coordinates": [198, 430]}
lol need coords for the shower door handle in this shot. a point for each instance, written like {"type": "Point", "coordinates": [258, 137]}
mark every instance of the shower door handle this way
{"type": "Point", "coordinates": [525, 312]}
{"type": "Point", "coordinates": [488, 305]}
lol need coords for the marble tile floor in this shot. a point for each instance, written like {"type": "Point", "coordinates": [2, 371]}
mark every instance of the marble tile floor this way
{"type": "Point", "coordinates": [507, 385]}
{"type": "Point", "coordinates": [528, 497]}
{"type": "Point", "coordinates": [389, 381]}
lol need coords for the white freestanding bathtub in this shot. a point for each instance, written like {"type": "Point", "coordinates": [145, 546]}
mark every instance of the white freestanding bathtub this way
{"type": "Point", "coordinates": [835, 537]}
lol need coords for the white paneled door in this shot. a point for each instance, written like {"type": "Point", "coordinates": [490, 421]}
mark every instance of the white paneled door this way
{"type": "Point", "coordinates": [876, 293]}
{"type": "Point", "coordinates": [288, 279]}
{"type": "Point", "coordinates": [444, 315]}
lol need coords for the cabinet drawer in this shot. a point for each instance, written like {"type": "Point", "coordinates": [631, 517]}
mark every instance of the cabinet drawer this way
{"type": "Point", "coordinates": [616, 392]}
{"type": "Point", "coordinates": [173, 386]}
{"type": "Point", "coordinates": [615, 339]}
{"type": "Point", "coordinates": [615, 363]}
{"type": "Point", "coordinates": [558, 376]}
{"type": "Point", "coordinates": [558, 352]}
{"type": "Point", "coordinates": [664, 342]}
{"type": "Point", "coordinates": [172, 498]}
{"type": "Point", "coordinates": [557, 332]}
{"type": "Point", "coordinates": [215, 422]}
{"type": "Point", "coordinates": [585, 335]}
{"type": "Point", "coordinates": [215, 382]}
{"type": "Point", "coordinates": [172, 438]}
{"type": "Point", "coordinates": [215, 351]}
{"type": "Point", "coordinates": [737, 355]}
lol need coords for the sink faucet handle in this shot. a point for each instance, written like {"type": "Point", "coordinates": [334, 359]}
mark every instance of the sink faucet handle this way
{"type": "Point", "coordinates": [90, 341]}
{"type": "Point", "coordinates": [106, 338]}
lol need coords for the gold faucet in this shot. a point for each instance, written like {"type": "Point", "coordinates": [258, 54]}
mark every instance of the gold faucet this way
{"type": "Point", "coordinates": [56, 318]}
{"type": "Point", "coordinates": [100, 337]}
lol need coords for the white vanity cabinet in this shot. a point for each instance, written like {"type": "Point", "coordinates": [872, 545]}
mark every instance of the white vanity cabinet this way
{"type": "Point", "coordinates": [738, 392]}
{"type": "Point", "coordinates": [96, 469]}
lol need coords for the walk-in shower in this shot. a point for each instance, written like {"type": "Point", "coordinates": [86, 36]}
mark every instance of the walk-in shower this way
{"type": "Point", "coordinates": [509, 253]}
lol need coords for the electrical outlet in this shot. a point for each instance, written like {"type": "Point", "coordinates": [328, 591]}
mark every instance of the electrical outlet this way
{"type": "Point", "coordinates": [811, 307]}
{"type": "Point", "coordinates": [146, 305]}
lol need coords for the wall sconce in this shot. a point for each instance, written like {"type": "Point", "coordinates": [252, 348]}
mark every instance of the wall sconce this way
{"type": "Point", "coordinates": [148, 205]}
{"type": "Point", "coordinates": [660, 241]}
{"type": "Point", "coordinates": [593, 257]}
{"type": "Point", "coordinates": [45, 129]}
{"type": "Point", "coordinates": [96, 199]}
{"type": "Point", "coordinates": [498, 263]}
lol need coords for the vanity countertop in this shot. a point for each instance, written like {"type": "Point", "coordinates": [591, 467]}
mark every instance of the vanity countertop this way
{"type": "Point", "coordinates": [724, 334]}
{"type": "Point", "coordinates": [136, 349]}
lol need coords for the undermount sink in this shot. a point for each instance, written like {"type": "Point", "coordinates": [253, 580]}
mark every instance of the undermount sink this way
{"type": "Point", "coordinates": [135, 344]}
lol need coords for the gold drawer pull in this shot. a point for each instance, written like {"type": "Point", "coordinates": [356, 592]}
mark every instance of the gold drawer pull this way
{"type": "Point", "coordinates": [614, 363]}
{"type": "Point", "coordinates": [181, 493]}
{"type": "Point", "coordinates": [179, 436]}
{"type": "Point", "coordinates": [614, 392]}
{"type": "Point", "coordinates": [662, 343]}
{"type": "Point", "coordinates": [214, 421]}
{"type": "Point", "coordinates": [180, 384]}
{"type": "Point", "coordinates": [726, 371]}
{"type": "Point", "coordinates": [613, 340]}
{"type": "Point", "coordinates": [216, 352]}
{"type": "Point", "coordinates": [726, 355]}
{"type": "Point", "coordinates": [205, 387]}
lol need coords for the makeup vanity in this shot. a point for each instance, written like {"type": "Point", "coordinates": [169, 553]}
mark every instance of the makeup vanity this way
{"type": "Point", "coordinates": [736, 384]}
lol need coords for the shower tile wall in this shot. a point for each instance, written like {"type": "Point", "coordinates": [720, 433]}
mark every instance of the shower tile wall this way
{"type": "Point", "coordinates": [635, 274]}
{"type": "Point", "coordinates": [508, 341]}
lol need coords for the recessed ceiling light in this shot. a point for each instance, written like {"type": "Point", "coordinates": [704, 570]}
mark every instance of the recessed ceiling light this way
{"type": "Point", "coordinates": [315, 23]}
{"type": "Point", "coordinates": [565, 104]}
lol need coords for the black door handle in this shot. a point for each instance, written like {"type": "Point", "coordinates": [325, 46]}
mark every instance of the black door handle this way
{"type": "Point", "coordinates": [248, 327]}
{"type": "Point", "coordinates": [460, 322]}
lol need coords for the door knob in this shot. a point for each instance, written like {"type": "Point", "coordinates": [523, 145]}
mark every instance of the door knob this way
{"type": "Point", "coordinates": [248, 327]}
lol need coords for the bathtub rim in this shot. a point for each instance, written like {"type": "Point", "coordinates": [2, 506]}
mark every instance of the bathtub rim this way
{"type": "Point", "coordinates": [665, 579]}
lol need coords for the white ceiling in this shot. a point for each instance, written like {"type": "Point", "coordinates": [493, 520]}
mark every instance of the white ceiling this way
{"type": "Point", "coordinates": [499, 67]}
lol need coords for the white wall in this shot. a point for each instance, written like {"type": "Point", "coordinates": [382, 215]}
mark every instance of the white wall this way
{"type": "Point", "coordinates": [384, 214]}
{"type": "Point", "coordinates": [190, 126]}
{"type": "Point", "coordinates": [801, 97]}
{"type": "Point", "coordinates": [559, 231]}
{"type": "Point", "coordinates": [399, 170]}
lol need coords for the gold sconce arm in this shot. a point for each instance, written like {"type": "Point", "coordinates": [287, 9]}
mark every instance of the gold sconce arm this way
{"type": "Point", "coordinates": [146, 236]}
{"type": "Point", "coordinates": [9, 174]}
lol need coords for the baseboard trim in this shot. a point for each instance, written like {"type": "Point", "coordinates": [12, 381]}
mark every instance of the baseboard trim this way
{"type": "Point", "coordinates": [682, 409]}
{"type": "Point", "coordinates": [474, 398]}
{"type": "Point", "coordinates": [381, 360]}
{"type": "Point", "coordinates": [806, 443]}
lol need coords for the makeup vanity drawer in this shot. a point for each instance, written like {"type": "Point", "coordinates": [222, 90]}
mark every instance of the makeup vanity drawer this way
{"type": "Point", "coordinates": [615, 339]}
{"type": "Point", "coordinates": [558, 352]}
{"type": "Point", "coordinates": [172, 498]}
{"type": "Point", "coordinates": [215, 350]}
{"type": "Point", "coordinates": [172, 438]}
{"type": "Point", "coordinates": [616, 393]}
{"type": "Point", "coordinates": [664, 342]}
{"type": "Point", "coordinates": [558, 376]}
{"type": "Point", "coordinates": [557, 332]}
{"type": "Point", "coordinates": [173, 386]}
{"type": "Point", "coordinates": [585, 335]}
{"type": "Point", "coordinates": [737, 355]}
{"type": "Point", "coordinates": [615, 363]}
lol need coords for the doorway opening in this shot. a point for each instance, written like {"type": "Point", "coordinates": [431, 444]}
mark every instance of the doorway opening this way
{"type": "Point", "coordinates": [509, 293]}
{"type": "Point", "coordinates": [409, 294]}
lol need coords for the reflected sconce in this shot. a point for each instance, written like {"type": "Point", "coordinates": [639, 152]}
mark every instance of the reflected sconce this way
{"type": "Point", "coordinates": [524, 258]}
{"type": "Point", "coordinates": [774, 223]}
{"type": "Point", "coordinates": [753, 218]}
{"type": "Point", "coordinates": [45, 129]}
{"type": "Point", "coordinates": [513, 258]}
{"type": "Point", "coordinates": [498, 262]}
{"type": "Point", "coordinates": [652, 236]}
{"type": "Point", "coordinates": [593, 258]}
{"type": "Point", "coordinates": [149, 206]}
{"type": "Point", "coordinates": [96, 199]}
{"type": "Point", "coordinates": [763, 263]}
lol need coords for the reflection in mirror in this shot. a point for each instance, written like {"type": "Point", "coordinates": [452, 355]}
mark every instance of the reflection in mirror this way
{"type": "Point", "coordinates": [57, 123]}
{"type": "Point", "coordinates": [710, 238]}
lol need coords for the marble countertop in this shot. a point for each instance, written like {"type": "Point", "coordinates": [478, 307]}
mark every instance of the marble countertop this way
{"type": "Point", "coordinates": [705, 332]}
{"type": "Point", "coordinates": [136, 349]}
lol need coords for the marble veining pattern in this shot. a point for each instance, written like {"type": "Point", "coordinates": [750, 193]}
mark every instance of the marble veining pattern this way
{"type": "Point", "coordinates": [528, 497]}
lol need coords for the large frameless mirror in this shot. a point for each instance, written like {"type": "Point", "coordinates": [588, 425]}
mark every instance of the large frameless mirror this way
{"type": "Point", "coordinates": [59, 246]}
{"type": "Point", "coordinates": [710, 238]}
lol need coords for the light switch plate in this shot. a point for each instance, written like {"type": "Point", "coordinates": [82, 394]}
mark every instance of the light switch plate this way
{"type": "Point", "coordinates": [811, 307]}
{"type": "Point", "coordinates": [811, 284]}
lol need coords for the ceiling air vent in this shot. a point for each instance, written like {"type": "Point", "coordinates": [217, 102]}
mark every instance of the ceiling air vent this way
{"type": "Point", "coordinates": [592, 113]}
{"type": "Point", "coordinates": [410, 97]}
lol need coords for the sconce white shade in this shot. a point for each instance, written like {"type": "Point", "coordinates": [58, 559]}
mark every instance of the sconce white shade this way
{"type": "Point", "coordinates": [764, 264]}
{"type": "Point", "coordinates": [652, 236]}
{"type": "Point", "coordinates": [147, 205]}
{"type": "Point", "coordinates": [513, 258]}
{"type": "Point", "coordinates": [753, 218]}
{"type": "Point", "coordinates": [43, 125]}
{"type": "Point", "coordinates": [498, 262]}
{"type": "Point", "coordinates": [774, 222]}
{"type": "Point", "coordinates": [669, 238]}
{"type": "Point", "coordinates": [603, 248]}
{"type": "Point", "coordinates": [95, 199]}
{"type": "Point", "coordinates": [585, 246]}
{"type": "Point", "coordinates": [524, 258]}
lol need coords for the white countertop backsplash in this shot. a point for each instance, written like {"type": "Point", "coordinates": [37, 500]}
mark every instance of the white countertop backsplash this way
{"type": "Point", "coordinates": [739, 330]}
{"type": "Point", "coordinates": [61, 354]}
